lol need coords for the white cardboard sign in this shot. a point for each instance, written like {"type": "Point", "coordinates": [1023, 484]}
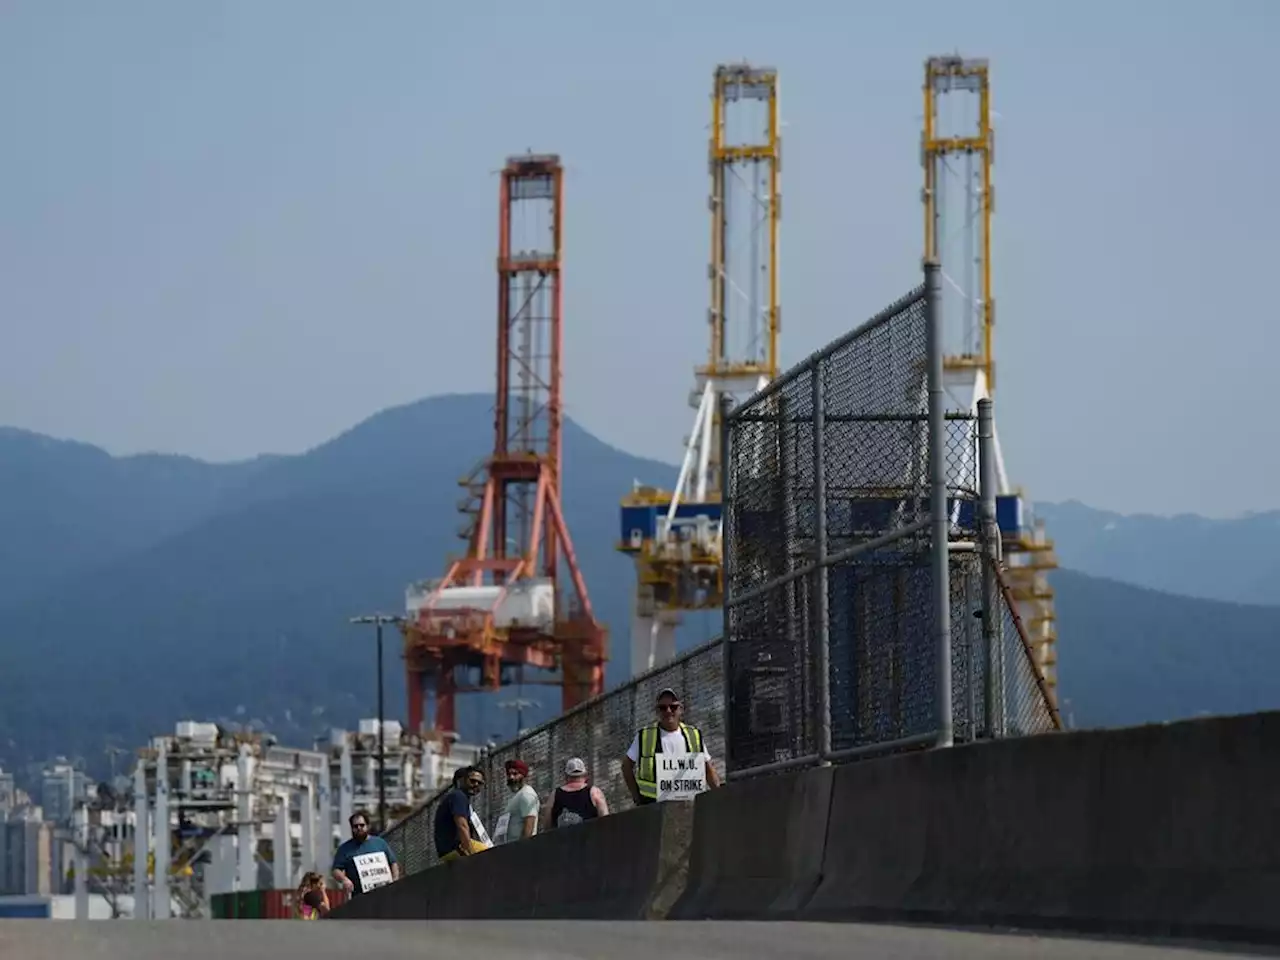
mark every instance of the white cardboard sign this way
{"type": "Point", "coordinates": [478, 831]}
{"type": "Point", "coordinates": [681, 776]}
{"type": "Point", "coordinates": [373, 869]}
{"type": "Point", "coordinates": [500, 829]}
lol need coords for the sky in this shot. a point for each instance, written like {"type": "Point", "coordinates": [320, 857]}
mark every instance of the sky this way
{"type": "Point", "coordinates": [239, 226]}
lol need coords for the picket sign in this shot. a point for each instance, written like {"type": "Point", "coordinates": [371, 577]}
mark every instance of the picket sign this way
{"type": "Point", "coordinates": [373, 869]}
{"type": "Point", "coordinates": [478, 832]}
{"type": "Point", "coordinates": [681, 776]}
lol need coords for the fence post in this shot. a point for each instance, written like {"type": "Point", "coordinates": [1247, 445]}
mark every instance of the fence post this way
{"type": "Point", "coordinates": [991, 554]}
{"type": "Point", "coordinates": [726, 557]}
{"type": "Point", "coordinates": [822, 620]}
{"type": "Point", "coordinates": [938, 498]}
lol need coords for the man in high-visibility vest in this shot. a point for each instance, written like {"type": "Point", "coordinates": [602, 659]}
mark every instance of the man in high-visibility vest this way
{"type": "Point", "coordinates": [670, 735]}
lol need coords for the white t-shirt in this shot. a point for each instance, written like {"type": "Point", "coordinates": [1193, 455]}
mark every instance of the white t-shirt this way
{"type": "Point", "coordinates": [523, 803]}
{"type": "Point", "coordinates": [672, 742]}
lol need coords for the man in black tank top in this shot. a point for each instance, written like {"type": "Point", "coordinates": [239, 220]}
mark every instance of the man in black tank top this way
{"type": "Point", "coordinates": [577, 801]}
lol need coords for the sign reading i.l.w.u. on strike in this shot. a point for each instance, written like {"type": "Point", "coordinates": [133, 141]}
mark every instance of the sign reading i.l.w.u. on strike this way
{"type": "Point", "coordinates": [681, 776]}
{"type": "Point", "coordinates": [373, 870]}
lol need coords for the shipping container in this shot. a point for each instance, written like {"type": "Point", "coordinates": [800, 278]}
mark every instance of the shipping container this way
{"type": "Point", "coordinates": [248, 905]}
{"type": "Point", "coordinates": [25, 908]}
{"type": "Point", "coordinates": [263, 904]}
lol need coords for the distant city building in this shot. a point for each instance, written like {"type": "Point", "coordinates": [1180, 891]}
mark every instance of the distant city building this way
{"type": "Point", "coordinates": [8, 792]}
{"type": "Point", "coordinates": [62, 786]}
{"type": "Point", "coordinates": [26, 853]}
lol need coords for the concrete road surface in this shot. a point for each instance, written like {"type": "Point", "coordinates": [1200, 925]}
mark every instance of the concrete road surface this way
{"type": "Point", "coordinates": [542, 940]}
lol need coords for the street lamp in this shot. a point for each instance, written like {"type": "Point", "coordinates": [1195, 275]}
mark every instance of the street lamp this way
{"type": "Point", "coordinates": [518, 704]}
{"type": "Point", "coordinates": [378, 619]}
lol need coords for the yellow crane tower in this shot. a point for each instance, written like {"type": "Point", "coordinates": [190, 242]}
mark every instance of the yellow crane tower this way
{"type": "Point", "coordinates": [675, 536]}
{"type": "Point", "coordinates": [958, 151]}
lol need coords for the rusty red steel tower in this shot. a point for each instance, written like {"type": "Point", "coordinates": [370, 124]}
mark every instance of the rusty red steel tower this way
{"type": "Point", "coordinates": [503, 609]}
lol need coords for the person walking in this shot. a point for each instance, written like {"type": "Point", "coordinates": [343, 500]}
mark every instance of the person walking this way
{"type": "Point", "coordinates": [576, 801]}
{"type": "Point", "coordinates": [669, 735]}
{"type": "Point", "coordinates": [312, 902]}
{"type": "Point", "coordinates": [364, 863]}
{"type": "Point", "coordinates": [520, 820]}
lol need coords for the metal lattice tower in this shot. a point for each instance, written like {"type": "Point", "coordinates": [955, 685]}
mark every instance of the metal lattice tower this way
{"type": "Point", "coordinates": [675, 536]}
{"type": "Point", "coordinates": [958, 149]}
{"type": "Point", "coordinates": [500, 609]}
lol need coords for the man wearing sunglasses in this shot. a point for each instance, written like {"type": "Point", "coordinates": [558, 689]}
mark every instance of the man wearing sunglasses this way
{"type": "Point", "coordinates": [458, 830]}
{"type": "Point", "coordinates": [364, 863]}
{"type": "Point", "coordinates": [670, 735]}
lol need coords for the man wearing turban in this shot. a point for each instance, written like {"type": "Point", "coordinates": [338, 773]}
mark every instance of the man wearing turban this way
{"type": "Point", "coordinates": [521, 817]}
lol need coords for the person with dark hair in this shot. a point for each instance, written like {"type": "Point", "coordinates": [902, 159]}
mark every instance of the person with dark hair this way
{"type": "Point", "coordinates": [458, 830]}
{"type": "Point", "coordinates": [364, 863]}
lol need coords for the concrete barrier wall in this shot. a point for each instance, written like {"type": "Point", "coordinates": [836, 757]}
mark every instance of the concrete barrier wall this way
{"type": "Point", "coordinates": [626, 866]}
{"type": "Point", "coordinates": [1169, 830]}
{"type": "Point", "coordinates": [758, 847]}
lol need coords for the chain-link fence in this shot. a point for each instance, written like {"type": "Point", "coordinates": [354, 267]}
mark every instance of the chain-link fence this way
{"type": "Point", "coordinates": [854, 616]}
{"type": "Point", "coordinates": [830, 459]}
{"type": "Point", "coordinates": [1029, 705]}
{"type": "Point", "coordinates": [599, 731]}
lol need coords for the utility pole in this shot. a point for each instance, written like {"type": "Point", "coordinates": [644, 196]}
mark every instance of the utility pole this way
{"type": "Point", "coordinates": [378, 619]}
{"type": "Point", "coordinates": [519, 703]}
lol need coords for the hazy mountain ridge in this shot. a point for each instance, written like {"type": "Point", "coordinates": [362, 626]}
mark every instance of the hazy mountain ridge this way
{"type": "Point", "coordinates": [1235, 560]}
{"type": "Point", "coordinates": [229, 599]}
{"type": "Point", "coordinates": [69, 507]}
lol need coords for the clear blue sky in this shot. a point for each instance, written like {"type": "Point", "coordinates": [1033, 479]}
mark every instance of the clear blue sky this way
{"type": "Point", "coordinates": [236, 227]}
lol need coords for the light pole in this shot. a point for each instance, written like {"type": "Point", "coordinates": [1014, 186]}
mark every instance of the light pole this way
{"type": "Point", "coordinates": [378, 619]}
{"type": "Point", "coordinates": [518, 704]}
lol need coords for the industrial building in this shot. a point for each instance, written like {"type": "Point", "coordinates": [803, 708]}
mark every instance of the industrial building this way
{"type": "Point", "coordinates": [226, 811]}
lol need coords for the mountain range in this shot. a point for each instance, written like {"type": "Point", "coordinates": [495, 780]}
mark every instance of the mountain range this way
{"type": "Point", "coordinates": [136, 591]}
{"type": "Point", "coordinates": [1236, 560]}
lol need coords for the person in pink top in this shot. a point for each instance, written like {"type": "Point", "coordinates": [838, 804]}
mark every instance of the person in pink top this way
{"type": "Point", "coordinates": [576, 801]}
{"type": "Point", "coordinates": [312, 900]}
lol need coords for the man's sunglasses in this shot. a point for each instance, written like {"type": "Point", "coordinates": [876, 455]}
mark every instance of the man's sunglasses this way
{"type": "Point", "coordinates": [476, 783]}
{"type": "Point", "coordinates": [668, 707]}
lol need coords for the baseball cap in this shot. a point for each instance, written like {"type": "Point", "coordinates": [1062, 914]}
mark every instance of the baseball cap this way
{"type": "Point", "coordinates": [575, 767]}
{"type": "Point", "coordinates": [667, 692]}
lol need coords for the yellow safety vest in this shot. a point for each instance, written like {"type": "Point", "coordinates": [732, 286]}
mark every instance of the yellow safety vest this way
{"type": "Point", "coordinates": [650, 741]}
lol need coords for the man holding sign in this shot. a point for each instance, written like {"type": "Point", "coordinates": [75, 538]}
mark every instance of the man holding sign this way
{"type": "Point", "coordinates": [667, 759]}
{"type": "Point", "coordinates": [364, 863]}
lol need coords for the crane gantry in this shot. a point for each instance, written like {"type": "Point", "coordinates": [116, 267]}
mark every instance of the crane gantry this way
{"type": "Point", "coordinates": [675, 536]}
{"type": "Point", "coordinates": [958, 150]}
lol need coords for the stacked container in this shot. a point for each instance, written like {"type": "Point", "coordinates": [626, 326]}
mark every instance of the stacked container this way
{"type": "Point", "coordinates": [263, 904]}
